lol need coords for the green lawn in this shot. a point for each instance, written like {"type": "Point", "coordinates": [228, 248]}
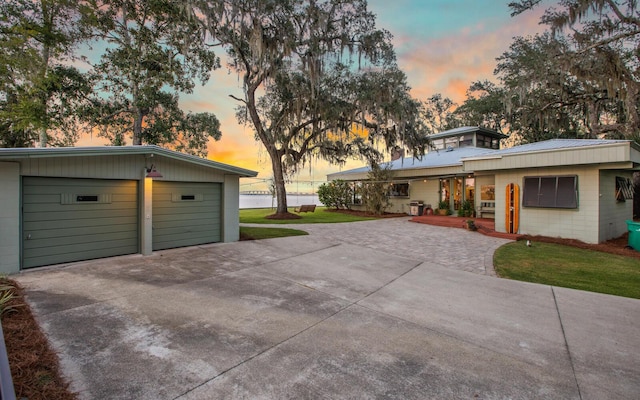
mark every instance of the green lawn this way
{"type": "Point", "coordinates": [256, 233]}
{"type": "Point", "coordinates": [257, 216]}
{"type": "Point", "coordinates": [570, 267]}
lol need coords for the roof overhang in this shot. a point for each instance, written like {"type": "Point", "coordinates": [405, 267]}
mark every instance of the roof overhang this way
{"type": "Point", "coordinates": [606, 153]}
{"type": "Point", "coordinates": [15, 154]}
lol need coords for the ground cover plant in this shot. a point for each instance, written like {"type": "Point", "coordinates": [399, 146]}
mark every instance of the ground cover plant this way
{"type": "Point", "coordinates": [34, 365]}
{"type": "Point", "coordinates": [568, 266]}
{"type": "Point", "coordinates": [257, 233]}
{"type": "Point", "coordinates": [320, 215]}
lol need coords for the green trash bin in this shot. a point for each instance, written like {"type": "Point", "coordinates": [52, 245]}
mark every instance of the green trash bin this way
{"type": "Point", "coordinates": [634, 234]}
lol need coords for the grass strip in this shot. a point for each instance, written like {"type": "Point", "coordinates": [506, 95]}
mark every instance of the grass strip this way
{"type": "Point", "coordinates": [320, 216]}
{"type": "Point", "coordinates": [570, 267]}
{"type": "Point", "coordinates": [257, 233]}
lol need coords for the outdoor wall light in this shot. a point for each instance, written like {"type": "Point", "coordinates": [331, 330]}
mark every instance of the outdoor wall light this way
{"type": "Point", "coordinates": [152, 173]}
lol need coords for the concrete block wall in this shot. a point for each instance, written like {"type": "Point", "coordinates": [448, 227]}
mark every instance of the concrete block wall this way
{"type": "Point", "coordinates": [577, 223]}
{"type": "Point", "coordinates": [613, 213]}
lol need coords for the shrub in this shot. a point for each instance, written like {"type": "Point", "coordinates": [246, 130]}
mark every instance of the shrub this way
{"type": "Point", "coordinates": [7, 294]}
{"type": "Point", "coordinates": [444, 205]}
{"type": "Point", "coordinates": [375, 192]}
{"type": "Point", "coordinates": [338, 194]}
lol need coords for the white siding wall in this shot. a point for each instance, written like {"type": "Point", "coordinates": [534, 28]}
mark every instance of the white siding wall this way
{"type": "Point", "coordinates": [613, 214]}
{"type": "Point", "coordinates": [9, 217]}
{"type": "Point", "coordinates": [577, 223]}
{"type": "Point", "coordinates": [118, 167]}
{"type": "Point", "coordinates": [427, 192]}
{"type": "Point", "coordinates": [231, 209]}
{"type": "Point", "coordinates": [565, 157]}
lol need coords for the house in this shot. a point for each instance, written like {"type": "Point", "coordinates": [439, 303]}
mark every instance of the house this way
{"type": "Point", "coordinates": [568, 188]}
{"type": "Point", "coordinates": [69, 204]}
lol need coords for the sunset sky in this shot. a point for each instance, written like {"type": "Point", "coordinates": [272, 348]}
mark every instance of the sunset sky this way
{"type": "Point", "coordinates": [442, 45]}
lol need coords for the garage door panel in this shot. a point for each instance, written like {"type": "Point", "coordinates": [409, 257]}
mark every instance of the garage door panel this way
{"type": "Point", "coordinates": [79, 215]}
{"type": "Point", "coordinates": [60, 227]}
{"type": "Point", "coordinates": [49, 259]}
{"type": "Point", "coordinates": [58, 189]}
{"type": "Point", "coordinates": [81, 248]}
{"type": "Point", "coordinates": [211, 222]}
{"type": "Point", "coordinates": [93, 208]}
{"type": "Point", "coordinates": [45, 233]}
{"type": "Point", "coordinates": [180, 214]}
{"type": "Point", "coordinates": [97, 222]}
{"type": "Point", "coordinates": [172, 229]}
{"type": "Point", "coordinates": [185, 241]}
{"type": "Point", "coordinates": [200, 208]}
{"type": "Point", "coordinates": [51, 239]}
{"type": "Point", "coordinates": [178, 222]}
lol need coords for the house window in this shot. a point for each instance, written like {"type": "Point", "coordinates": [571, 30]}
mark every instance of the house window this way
{"type": "Point", "coordinates": [466, 140]}
{"type": "Point", "coordinates": [399, 190]}
{"type": "Point", "coordinates": [624, 189]}
{"type": "Point", "coordinates": [550, 191]}
{"type": "Point", "coordinates": [437, 144]}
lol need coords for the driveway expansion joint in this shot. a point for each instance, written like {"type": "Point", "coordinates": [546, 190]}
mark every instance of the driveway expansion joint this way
{"type": "Point", "coordinates": [566, 343]}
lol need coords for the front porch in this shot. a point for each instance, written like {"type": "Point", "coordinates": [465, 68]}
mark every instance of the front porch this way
{"type": "Point", "coordinates": [486, 226]}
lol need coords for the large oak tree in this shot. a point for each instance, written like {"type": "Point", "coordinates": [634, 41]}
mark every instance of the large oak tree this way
{"type": "Point", "coordinates": [319, 80]}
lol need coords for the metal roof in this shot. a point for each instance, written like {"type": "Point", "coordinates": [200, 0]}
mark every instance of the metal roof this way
{"type": "Point", "coordinates": [433, 159]}
{"type": "Point", "coordinates": [456, 156]}
{"type": "Point", "coordinates": [49, 152]}
{"type": "Point", "coordinates": [550, 145]}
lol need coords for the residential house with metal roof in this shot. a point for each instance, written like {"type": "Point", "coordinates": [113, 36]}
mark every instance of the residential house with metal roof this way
{"type": "Point", "coordinates": [578, 189]}
{"type": "Point", "coordinates": [62, 205]}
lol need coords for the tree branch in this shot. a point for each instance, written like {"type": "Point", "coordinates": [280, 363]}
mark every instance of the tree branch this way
{"type": "Point", "coordinates": [238, 99]}
{"type": "Point", "coordinates": [609, 40]}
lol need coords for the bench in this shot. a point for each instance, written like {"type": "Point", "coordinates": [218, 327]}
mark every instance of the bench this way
{"type": "Point", "coordinates": [487, 208]}
{"type": "Point", "coordinates": [305, 208]}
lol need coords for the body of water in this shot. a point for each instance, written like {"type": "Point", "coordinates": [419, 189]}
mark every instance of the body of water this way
{"type": "Point", "coordinates": [266, 201]}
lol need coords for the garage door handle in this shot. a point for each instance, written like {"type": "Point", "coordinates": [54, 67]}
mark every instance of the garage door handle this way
{"type": "Point", "coordinates": [29, 237]}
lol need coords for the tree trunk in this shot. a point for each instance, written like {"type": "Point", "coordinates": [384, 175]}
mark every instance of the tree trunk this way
{"type": "Point", "coordinates": [137, 127]}
{"type": "Point", "coordinates": [278, 180]}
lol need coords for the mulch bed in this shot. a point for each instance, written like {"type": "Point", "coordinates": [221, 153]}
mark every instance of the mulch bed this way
{"type": "Point", "coordinates": [618, 246]}
{"type": "Point", "coordinates": [35, 368]}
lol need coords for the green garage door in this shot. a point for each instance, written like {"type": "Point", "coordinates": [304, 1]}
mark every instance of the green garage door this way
{"type": "Point", "coordinates": [68, 220]}
{"type": "Point", "coordinates": [186, 214]}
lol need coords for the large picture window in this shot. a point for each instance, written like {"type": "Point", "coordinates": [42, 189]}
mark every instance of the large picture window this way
{"type": "Point", "coordinates": [399, 190]}
{"type": "Point", "coordinates": [550, 191]}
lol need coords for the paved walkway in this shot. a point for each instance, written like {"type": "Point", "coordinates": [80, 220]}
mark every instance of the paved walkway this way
{"type": "Point", "coordinates": [370, 310]}
{"type": "Point", "coordinates": [447, 247]}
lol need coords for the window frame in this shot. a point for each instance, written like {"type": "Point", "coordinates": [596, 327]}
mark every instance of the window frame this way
{"type": "Point", "coordinates": [564, 196]}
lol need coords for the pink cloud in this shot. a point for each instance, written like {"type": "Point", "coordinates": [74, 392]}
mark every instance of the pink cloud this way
{"type": "Point", "coordinates": [443, 64]}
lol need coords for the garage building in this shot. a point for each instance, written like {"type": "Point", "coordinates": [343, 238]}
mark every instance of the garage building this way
{"type": "Point", "coordinates": [61, 205]}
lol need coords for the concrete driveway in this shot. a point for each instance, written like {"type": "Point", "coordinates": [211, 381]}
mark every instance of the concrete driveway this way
{"type": "Point", "coordinates": [378, 309]}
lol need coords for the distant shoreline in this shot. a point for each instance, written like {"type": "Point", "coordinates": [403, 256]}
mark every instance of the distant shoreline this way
{"type": "Point", "coordinates": [262, 200]}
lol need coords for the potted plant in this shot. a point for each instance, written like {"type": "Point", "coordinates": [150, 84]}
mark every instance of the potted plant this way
{"type": "Point", "coordinates": [470, 225]}
{"type": "Point", "coordinates": [443, 208]}
{"type": "Point", "coordinates": [466, 209]}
